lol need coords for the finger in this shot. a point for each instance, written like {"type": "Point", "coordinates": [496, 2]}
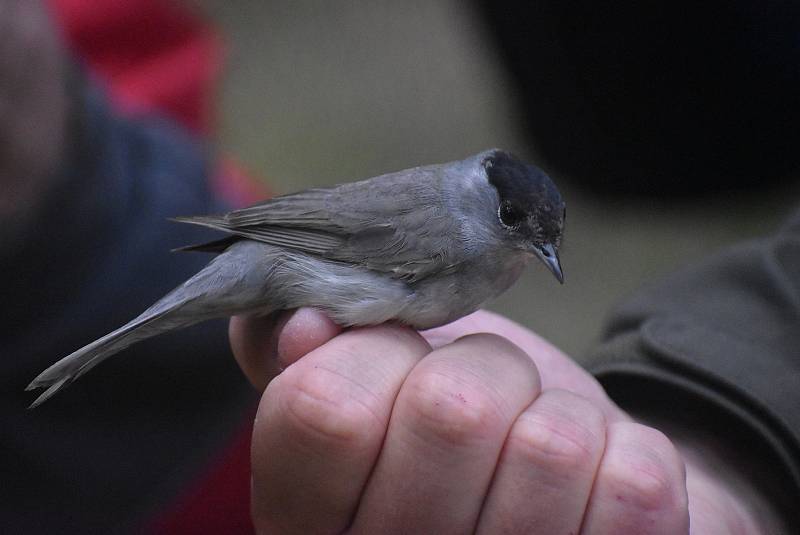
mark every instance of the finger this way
{"type": "Point", "coordinates": [254, 343]}
{"type": "Point", "coordinates": [640, 485]}
{"type": "Point", "coordinates": [265, 345]}
{"type": "Point", "coordinates": [447, 429]}
{"type": "Point", "coordinates": [320, 426]}
{"type": "Point", "coordinates": [303, 331]}
{"type": "Point", "coordinates": [557, 370]}
{"type": "Point", "coordinates": [545, 474]}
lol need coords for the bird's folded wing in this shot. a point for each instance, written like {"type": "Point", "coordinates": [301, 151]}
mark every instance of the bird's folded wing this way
{"type": "Point", "coordinates": [394, 226]}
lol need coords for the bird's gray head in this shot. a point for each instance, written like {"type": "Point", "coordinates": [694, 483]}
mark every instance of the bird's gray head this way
{"type": "Point", "coordinates": [530, 212]}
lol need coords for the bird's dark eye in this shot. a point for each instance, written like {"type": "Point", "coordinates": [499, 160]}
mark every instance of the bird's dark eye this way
{"type": "Point", "coordinates": [510, 216]}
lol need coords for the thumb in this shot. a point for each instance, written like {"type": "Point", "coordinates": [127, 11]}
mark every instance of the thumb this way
{"type": "Point", "coordinates": [264, 345]}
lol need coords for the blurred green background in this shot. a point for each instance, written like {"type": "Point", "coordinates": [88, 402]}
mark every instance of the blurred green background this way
{"type": "Point", "coordinates": [317, 93]}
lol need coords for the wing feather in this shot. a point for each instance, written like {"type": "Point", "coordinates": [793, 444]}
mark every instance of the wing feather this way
{"type": "Point", "coordinates": [392, 223]}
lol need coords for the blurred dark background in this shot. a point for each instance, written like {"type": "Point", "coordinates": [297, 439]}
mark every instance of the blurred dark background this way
{"type": "Point", "coordinates": [671, 130]}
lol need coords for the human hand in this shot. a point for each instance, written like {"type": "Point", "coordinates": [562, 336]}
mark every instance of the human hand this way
{"type": "Point", "coordinates": [360, 434]}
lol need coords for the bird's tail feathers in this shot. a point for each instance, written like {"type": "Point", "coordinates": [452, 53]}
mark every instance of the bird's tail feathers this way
{"type": "Point", "coordinates": [68, 369]}
{"type": "Point", "coordinates": [220, 289]}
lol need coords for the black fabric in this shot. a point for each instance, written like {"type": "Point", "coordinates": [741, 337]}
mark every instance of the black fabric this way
{"type": "Point", "coordinates": [118, 445]}
{"type": "Point", "coordinates": [655, 98]}
{"type": "Point", "coordinates": [719, 345]}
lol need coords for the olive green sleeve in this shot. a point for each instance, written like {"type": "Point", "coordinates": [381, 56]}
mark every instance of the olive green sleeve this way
{"type": "Point", "coordinates": [715, 349]}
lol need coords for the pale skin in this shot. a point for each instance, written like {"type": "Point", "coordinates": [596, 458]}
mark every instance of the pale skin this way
{"type": "Point", "coordinates": [480, 427]}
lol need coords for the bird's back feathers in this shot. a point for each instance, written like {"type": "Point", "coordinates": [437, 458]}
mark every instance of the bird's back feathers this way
{"type": "Point", "coordinates": [392, 224]}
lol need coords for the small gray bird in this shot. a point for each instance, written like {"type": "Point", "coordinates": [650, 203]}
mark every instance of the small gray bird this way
{"type": "Point", "coordinates": [424, 247]}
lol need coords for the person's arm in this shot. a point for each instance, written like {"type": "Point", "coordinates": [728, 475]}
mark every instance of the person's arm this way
{"type": "Point", "coordinates": [710, 356]}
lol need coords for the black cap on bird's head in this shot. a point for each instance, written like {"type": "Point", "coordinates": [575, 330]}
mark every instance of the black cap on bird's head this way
{"type": "Point", "coordinates": [531, 209]}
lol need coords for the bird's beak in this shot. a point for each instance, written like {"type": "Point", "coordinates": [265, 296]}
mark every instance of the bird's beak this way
{"type": "Point", "coordinates": [549, 256]}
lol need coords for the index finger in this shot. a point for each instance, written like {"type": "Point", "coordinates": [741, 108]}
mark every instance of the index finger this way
{"type": "Point", "coordinates": [320, 427]}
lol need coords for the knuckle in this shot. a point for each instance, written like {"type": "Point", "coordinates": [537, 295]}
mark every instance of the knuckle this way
{"type": "Point", "coordinates": [446, 410]}
{"type": "Point", "coordinates": [322, 407]}
{"type": "Point", "coordinates": [646, 478]}
{"type": "Point", "coordinates": [643, 485]}
{"type": "Point", "coordinates": [495, 359]}
{"type": "Point", "coordinates": [505, 353]}
{"type": "Point", "coordinates": [499, 346]}
{"type": "Point", "coordinates": [561, 440]}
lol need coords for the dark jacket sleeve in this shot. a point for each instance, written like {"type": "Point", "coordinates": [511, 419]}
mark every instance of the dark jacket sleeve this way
{"type": "Point", "coordinates": [716, 347]}
{"type": "Point", "coordinates": [122, 443]}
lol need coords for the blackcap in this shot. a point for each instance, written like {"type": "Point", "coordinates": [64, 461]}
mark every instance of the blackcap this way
{"type": "Point", "coordinates": [424, 247]}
